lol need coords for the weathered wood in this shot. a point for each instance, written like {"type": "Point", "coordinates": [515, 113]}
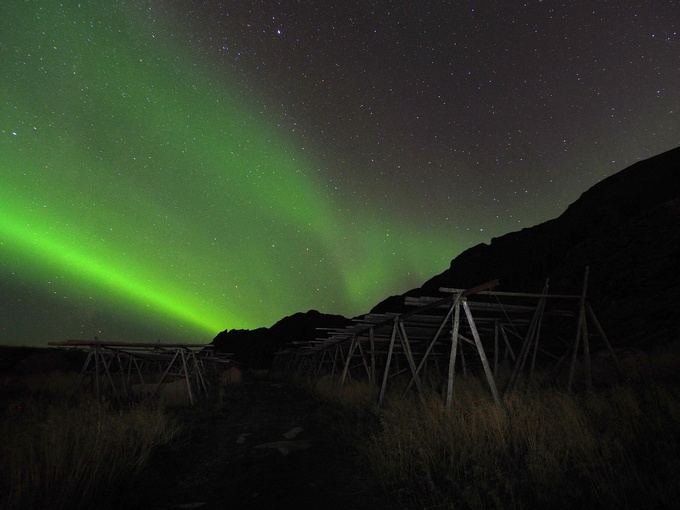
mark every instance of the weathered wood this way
{"type": "Point", "coordinates": [586, 351]}
{"type": "Point", "coordinates": [508, 347]}
{"type": "Point", "coordinates": [530, 340]}
{"type": "Point", "coordinates": [422, 331]}
{"type": "Point", "coordinates": [347, 360]}
{"type": "Point", "coordinates": [454, 350]}
{"type": "Point", "coordinates": [596, 322]}
{"type": "Point", "coordinates": [409, 357]}
{"type": "Point", "coordinates": [126, 364]}
{"type": "Point", "coordinates": [478, 289]}
{"type": "Point", "coordinates": [516, 294]}
{"type": "Point", "coordinates": [186, 377]}
{"type": "Point", "coordinates": [363, 358]}
{"type": "Point", "coordinates": [381, 396]}
{"type": "Point", "coordinates": [432, 343]}
{"type": "Point", "coordinates": [482, 354]}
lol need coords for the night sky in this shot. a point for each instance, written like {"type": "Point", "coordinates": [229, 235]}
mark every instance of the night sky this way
{"type": "Point", "coordinates": [171, 169]}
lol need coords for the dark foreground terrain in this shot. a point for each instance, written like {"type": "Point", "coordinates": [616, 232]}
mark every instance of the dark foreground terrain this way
{"type": "Point", "coordinates": [270, 446]}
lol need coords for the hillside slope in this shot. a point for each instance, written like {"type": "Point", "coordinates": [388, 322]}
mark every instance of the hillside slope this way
{"type": "Point", "coordinates": [256, 347]}
{"type": "Point", "coordinates": [626, 229]}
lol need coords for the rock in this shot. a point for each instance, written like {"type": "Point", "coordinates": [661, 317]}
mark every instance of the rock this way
{"type": "Point", "coordinates": [286, 447]}
{"type": "Point", "coordinates": [293, 433]}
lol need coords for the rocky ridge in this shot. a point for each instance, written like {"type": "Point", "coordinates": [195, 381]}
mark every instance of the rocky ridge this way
{"type": "Point", "coordinates": [626, 229]}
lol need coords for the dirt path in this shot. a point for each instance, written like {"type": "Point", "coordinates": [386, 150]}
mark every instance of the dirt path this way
{"type": "Point", "coordinates": [269, 448]}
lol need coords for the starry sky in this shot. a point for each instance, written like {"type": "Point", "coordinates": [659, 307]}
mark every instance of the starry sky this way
{"type": "Point", "coordinates": [170, 169]}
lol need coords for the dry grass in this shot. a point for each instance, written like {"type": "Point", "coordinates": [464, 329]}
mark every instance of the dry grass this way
{"type": "Point", "coordinates": [57, 456]}
{"type": "Point", "coordinates": [616, 448]}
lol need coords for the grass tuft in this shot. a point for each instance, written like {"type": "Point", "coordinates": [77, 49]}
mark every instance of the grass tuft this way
{"type": "Point", "coordinates": [55, 456]}
{"type": "Point", "coordinates": [542, 447]}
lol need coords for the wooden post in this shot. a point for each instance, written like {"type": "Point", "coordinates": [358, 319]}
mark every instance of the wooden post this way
{"type": "Point", "coordinates": [165, 373]}
{"type": "Point", "coordinates": [199, 370]}
{"type": "Point", "coordinates": [530, 338]}
{"type": "Point", "coordinates": [431, 345]}
{"type": "Point", "coordinates": [390, 349]}
{"type": "Point", "coordinates": [409, 358]}
{"type": "Point", "coordinates": [508, 347]}
{"type": "Point", "coordinates": [334, 367]}
{"type": "Point", "coordinates": [452, 355]}
{"type": "Point", "coordinates": [591, 313]}
{"type": "Point", "coordinates": [480, 351]}
{"type": "Point", "coordinates": [322, 358]}
{"type": "Point", "coordinates": [586, 351]}
{"type": "Point", "coordinates": [106, 362]}
{"type": "Point", "coordinates": [186, 376]}
{"type": "Point", "coordinates": [522, 356]}
{"type": "Point", "coordinates": [97, 361]}
{"type": "Point", "coordinates": [128, 377]}
{"type": "Point", "coordinates": [352, 346]}
{"type": "Point", "coordinates": [541, 305]}
{"type": "Point", "coordinates": [536, 340]}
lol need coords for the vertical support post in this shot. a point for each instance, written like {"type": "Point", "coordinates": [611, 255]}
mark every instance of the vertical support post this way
{"type": "Point", "coordinates": [534, 355]}
{"type": "Point", "coordinates": [586, 351]}
{"type": "Point", "coordinates": [409, 357]}
{"type": "Point", "coordinates": [128, 376]}
{"type": "Point", "coordinates": [482, 354]}
{"type": "Point", "coordinates": [423, 361]}
{"type": "Point", "coordinates": [165, 373]}
{"type": "Point", "coordinates": [591, 313]}
{"type": "Point", "coordinates": [454, 349]}
{"type": "Point", "coordinates": [121, 371]}
{"type": "Point", "coordinates": [531, 336]}
{"type": "Point", "coordinates": [508, 348]}
{"type": "Point", "coordinates": [390, 350]}
{"type": "Point", "coordinates": [106, 363]}
{"type": "Point", "coordinates": [363, 358]}
{"type": "Point", "coordinates": [112, 355]}
{"type": "Point", "coordinates": [186, 376]}
{"type": "Point", "coordinates": [197, 365]}
{"type": "Point", "coordinates": [350, 352]}
{"type": "Point", "coordinates": [320, 364]}
{"type": "Point", "coordinates": [339, 358]}
{"type": "Point", "coordinates": [541, 305]}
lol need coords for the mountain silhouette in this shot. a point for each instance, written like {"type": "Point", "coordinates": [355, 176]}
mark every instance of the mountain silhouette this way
{"type": "Point", "coordinates": [626, 229]}
{"type": "Point", "coordinates": [256, 348]}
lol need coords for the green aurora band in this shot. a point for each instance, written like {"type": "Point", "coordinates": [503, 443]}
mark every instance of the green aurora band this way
{"type": "Point", "coordinates": [134, 179]}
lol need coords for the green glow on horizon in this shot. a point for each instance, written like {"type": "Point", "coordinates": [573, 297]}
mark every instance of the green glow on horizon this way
{"type": "Point", "coordinates": [110, 276]}
{"type": "Point", "coordinates": [134, 176]}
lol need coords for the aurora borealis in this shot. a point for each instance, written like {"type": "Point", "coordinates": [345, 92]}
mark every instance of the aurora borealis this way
{"type": "Point", "coordinates": [172, 169]}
